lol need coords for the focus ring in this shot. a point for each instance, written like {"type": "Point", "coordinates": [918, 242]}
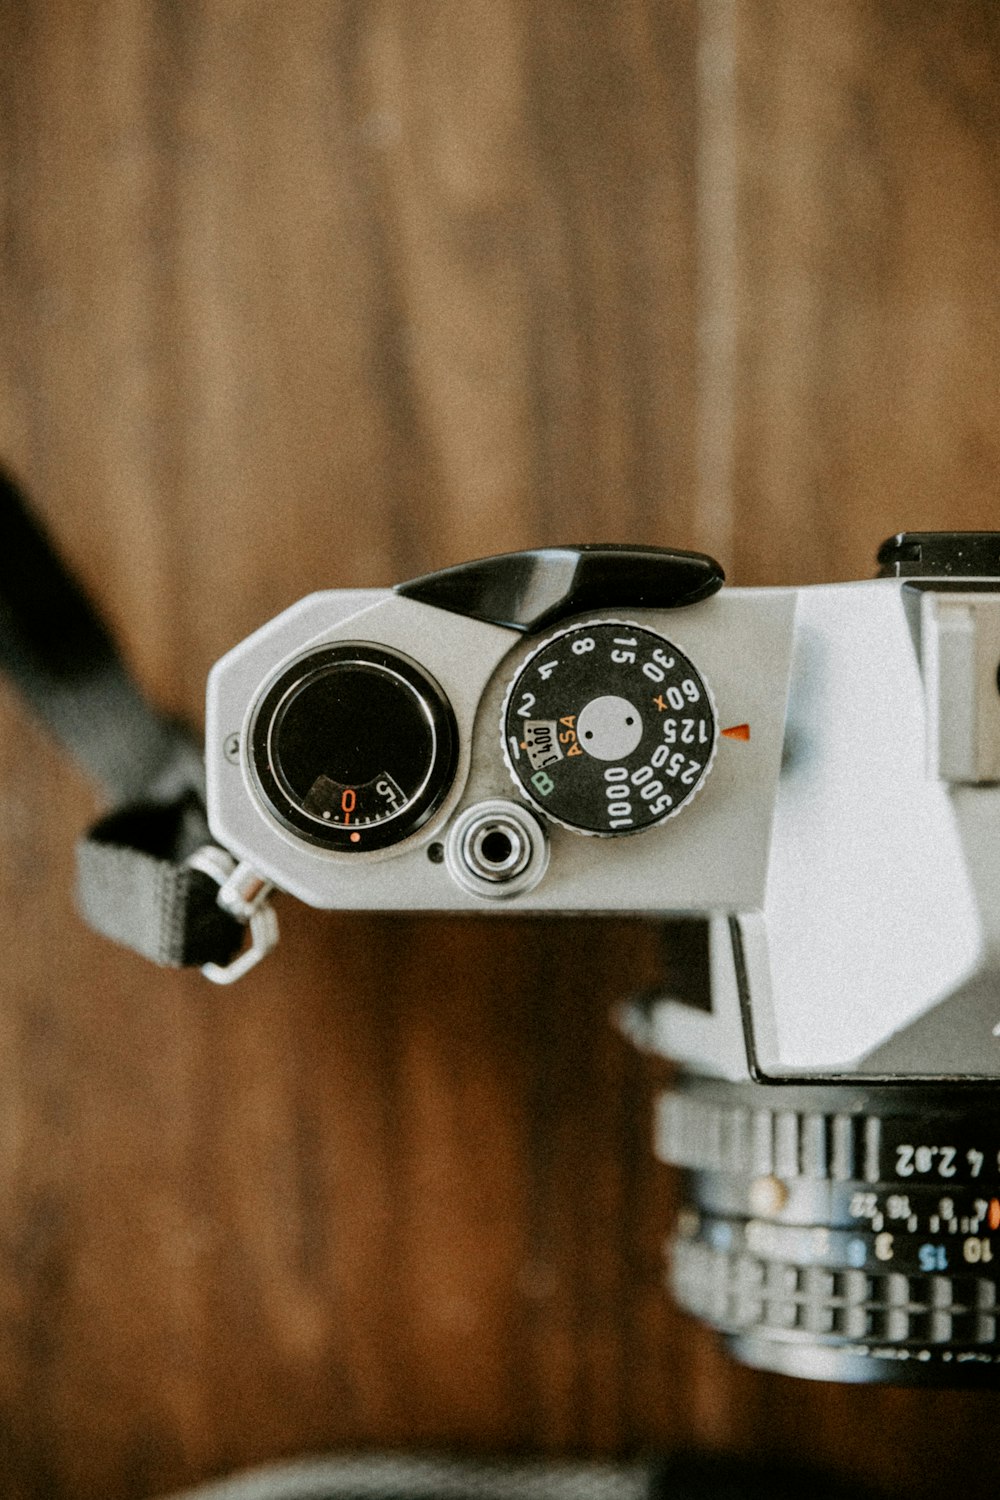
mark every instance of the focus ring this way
{"type": "Point", "coordinates": [738, 1291]}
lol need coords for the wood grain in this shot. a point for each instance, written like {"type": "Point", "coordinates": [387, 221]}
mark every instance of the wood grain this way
{"type": "Point", "coordinates": [329, 294]}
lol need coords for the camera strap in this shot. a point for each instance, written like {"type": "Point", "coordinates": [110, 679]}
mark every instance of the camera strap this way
{"type": "Point", "coordinates": [148, 873]}
{"type": "Point", "coordinates": [684, 1475]}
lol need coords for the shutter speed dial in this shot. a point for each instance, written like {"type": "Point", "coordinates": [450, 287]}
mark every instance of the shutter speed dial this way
{"type": "Point", "coordinates": [609, 728]}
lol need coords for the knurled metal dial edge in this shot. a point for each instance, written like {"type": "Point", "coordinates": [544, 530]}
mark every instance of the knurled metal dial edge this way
{"type": "Point", "coordinates": [515, 683]}
{"type": "Point", "coordinates": [705, 1135]}
{"type": "Point", "coordinates": [743, 1291]}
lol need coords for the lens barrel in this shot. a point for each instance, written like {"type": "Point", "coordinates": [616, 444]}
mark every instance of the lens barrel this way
{"type": "Point", "coordinates": [841, 1231]}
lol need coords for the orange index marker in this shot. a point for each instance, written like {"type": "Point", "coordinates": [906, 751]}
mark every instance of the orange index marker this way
{"type": "Point", "coordinates": [737, 732]}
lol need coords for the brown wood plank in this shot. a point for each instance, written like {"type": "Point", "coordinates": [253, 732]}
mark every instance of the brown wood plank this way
{"type": "Point", "coordinates": [328, 295]}
{"type": "Point", "coordinates": [867, 360]}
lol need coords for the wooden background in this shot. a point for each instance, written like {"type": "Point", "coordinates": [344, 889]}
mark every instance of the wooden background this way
{"type": "Point", "coordinates": [316, 294]}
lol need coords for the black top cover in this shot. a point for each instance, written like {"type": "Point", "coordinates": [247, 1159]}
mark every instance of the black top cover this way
{"type": "Point", "coordinates": [940, 554]}
{"type": "Point", "coordinates": [530, 591]}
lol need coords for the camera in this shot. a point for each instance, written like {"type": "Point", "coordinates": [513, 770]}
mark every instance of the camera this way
{"type": "Point", "coordinates": [802, 784]}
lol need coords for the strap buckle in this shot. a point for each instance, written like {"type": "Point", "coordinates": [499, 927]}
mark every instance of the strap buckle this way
{"type": "Point", "coordinates": [243, 893]}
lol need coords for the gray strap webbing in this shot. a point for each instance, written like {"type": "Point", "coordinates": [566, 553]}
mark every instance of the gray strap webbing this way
{"type": "Point", "coordinates": [681, 1476]}
{"type": "Point", "coordinates": [399, 1477]}
{"type": "Point", "coordinates": [132, 881]}
{"type": "Point", "coordinates": [134, 887]}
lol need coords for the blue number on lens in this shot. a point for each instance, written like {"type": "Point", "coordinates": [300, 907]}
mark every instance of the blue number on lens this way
{"type": "Point", "coordinates": [720, 1237]}
{"type": "Point", "coordinates": [933, 1257]}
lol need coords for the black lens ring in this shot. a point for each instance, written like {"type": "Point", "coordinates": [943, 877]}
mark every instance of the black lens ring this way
{"type": "Point", "coordinates": [441, 766]}
{"type": "Point", "coordinates": [841, 1231]}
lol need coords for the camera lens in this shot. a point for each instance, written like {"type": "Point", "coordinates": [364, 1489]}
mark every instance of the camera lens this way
{"type": "Point", "coordinates": [353, 747]}
{"type": "Point", "coordinates": [838, 1231]}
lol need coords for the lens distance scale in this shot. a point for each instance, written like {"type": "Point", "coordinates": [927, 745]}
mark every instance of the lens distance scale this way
{"type": "Point", "coordinates": [608, 728]}
{"type": "Point", "coordinates": [353, 747]}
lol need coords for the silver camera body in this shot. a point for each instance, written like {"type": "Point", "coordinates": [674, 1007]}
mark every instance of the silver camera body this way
{"type": "Point", "coordinates": [840, 830]}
